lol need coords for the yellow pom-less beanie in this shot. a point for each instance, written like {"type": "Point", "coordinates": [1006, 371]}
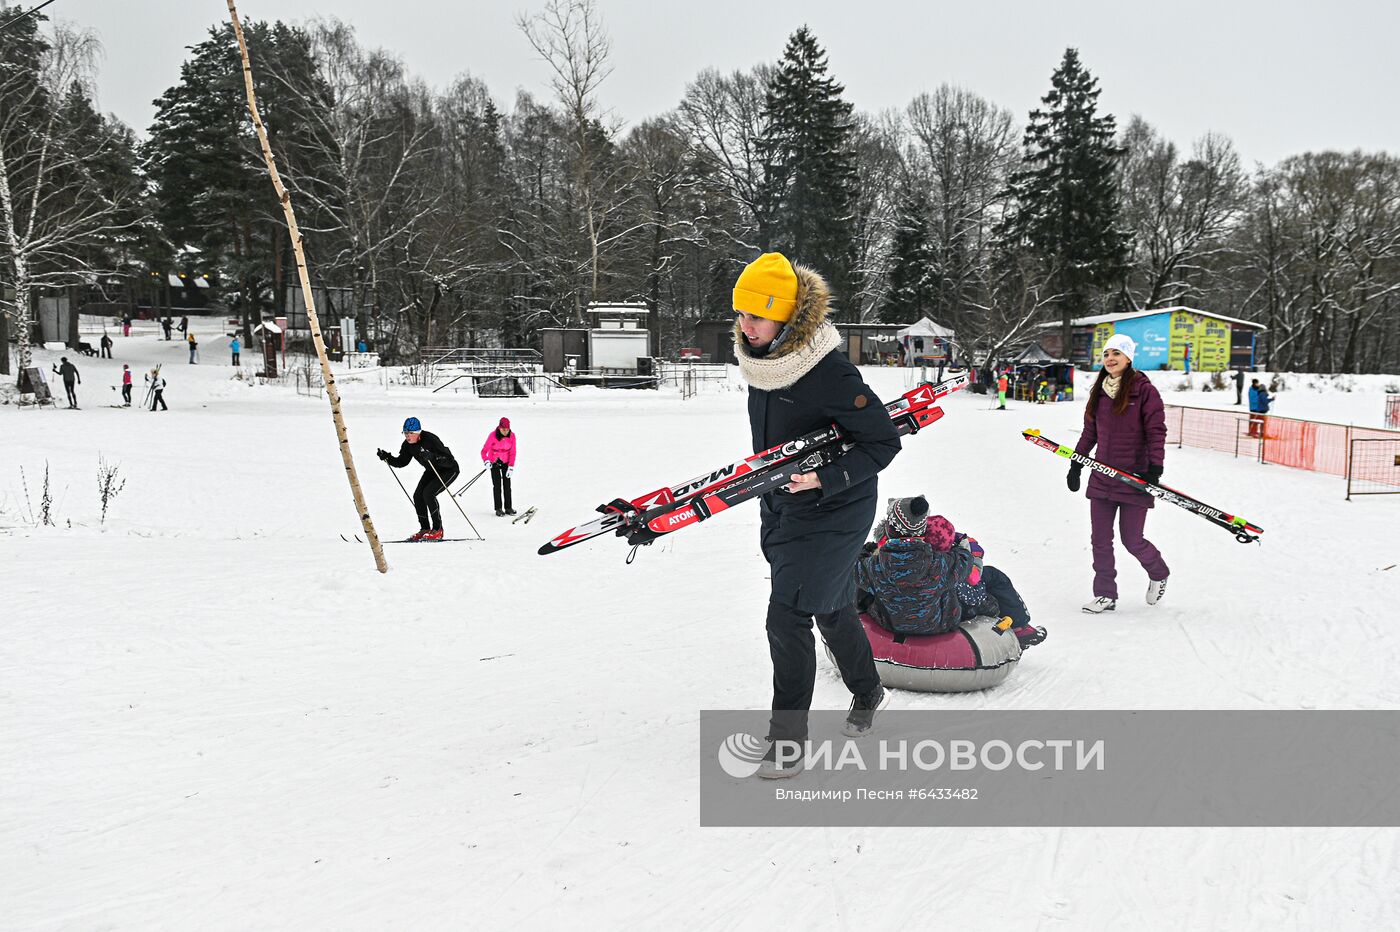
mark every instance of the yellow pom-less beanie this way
{"type": "Point", "coordinates": [767, 288]}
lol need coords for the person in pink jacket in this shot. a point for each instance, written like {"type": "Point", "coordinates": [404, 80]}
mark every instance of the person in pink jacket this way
{"type": "Point", "coordinates": [498, 455]}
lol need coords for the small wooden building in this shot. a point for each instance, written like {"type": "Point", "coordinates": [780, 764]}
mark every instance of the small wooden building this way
{"type": "Point", "coordinates": [1167, 337]}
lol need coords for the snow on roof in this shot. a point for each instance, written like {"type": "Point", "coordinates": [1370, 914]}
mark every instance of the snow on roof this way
{"type": "Point", "coordinates": [269, 325]}
{"type": "Point", "coordinates": [1034, 355]}
{"type": "Point", "coordinates": [925, 328]}
{"type": "Point", "coordinates": [1129, 315]}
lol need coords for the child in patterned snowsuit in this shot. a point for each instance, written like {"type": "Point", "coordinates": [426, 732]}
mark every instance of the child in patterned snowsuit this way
{"type": "Point", "coordinates": [920, 576]}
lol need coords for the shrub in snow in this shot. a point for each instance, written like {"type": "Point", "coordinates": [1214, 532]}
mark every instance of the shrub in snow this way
{"type": "Point", "coordinates": [109, 483]}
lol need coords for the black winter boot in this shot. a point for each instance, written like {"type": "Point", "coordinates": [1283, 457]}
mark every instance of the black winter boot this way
{"type": "Point", "coordinates": [863, 709]}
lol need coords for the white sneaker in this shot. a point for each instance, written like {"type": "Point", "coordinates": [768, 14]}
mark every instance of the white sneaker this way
{"type": "Point", "coordinates": [1156, 588]}
{"type": "Point", "coordinates": [1100, 605]}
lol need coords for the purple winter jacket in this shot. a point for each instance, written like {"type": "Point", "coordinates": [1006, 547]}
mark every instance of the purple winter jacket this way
{"type": "Point", "coordinates": [1131, 441]}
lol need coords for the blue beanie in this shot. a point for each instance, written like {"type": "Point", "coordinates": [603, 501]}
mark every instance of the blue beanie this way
{"type": "Point", "coordinates": [411, 426]}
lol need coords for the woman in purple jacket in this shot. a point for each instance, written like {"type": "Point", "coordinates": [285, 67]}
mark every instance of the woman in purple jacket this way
{"type": "Point", "coordinates": [1127, 423]}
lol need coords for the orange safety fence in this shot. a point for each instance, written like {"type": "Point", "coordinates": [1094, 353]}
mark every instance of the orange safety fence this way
{"type": "Point", "coordinates": [1313, 445]}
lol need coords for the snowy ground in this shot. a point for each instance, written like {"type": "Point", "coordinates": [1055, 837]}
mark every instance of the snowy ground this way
{"type": "Point", "coordinates": [216, 714]}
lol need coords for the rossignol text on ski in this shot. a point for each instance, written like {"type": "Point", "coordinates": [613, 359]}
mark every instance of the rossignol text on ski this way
{"type": "Point", "coordinates": [1244, 531]}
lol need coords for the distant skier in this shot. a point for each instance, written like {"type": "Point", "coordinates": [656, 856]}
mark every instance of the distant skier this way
{"type": "Point", "coordinates": [106, 346]}
{"type": "Point", "coordinates": [126, 386]}
{"type": "Point", "coordinates": [1126, 421]}
{"type": "Point", "coordinates": [498, 455]}
{"type": "Point", "coordinates": [71, 379]}
{"type": "Point", "coordinates": [1238, 378]}
{"type": "Point", "coordinates": [439, 471]}
{"type": "Point", "coordinates": [194, 348]}
{"type": "Point", "coordinates": [157, 387]}
{"type": "Point", "coordinates": [233, 348]}
{"type": "Point", "coordinates": [1002, 384]}
{"type": "Point", "coordinates": [167, 325]}
{"type": "Point", "coordinates": [184, 325]}
{"type": "Point", "coordinates": [126, 325]}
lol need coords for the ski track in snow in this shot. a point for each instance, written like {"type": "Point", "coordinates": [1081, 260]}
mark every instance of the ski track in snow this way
{"type": "Point", "coordinates": [218, 715]}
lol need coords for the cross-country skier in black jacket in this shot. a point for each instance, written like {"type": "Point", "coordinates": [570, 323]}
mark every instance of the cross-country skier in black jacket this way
{"type": "Point", "coordinates": [71, 378]}
{"type": "Point", "coordinates": [439, 471]}
{"type": "Point", "coordinates": [800, 380]}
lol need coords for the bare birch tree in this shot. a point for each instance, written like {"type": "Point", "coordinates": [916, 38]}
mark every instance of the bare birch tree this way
{"type": "Point", "coordinates": [52, 210]}
{"type": "Point", "coordinates": [569, 36]}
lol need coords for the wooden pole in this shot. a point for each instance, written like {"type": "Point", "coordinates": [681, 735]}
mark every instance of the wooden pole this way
{"type": "Point", "coordinates": [332, 392]}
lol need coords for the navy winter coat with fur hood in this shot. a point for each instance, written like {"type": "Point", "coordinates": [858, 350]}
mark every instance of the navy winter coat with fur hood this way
{"type": "Point", "coordinates": [812, 539]}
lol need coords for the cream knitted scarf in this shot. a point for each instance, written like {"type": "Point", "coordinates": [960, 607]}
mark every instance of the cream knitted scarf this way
{"type": "Point", "coordinates": [775, 372]}
{"type": "Point", "coordinates": [1111, 384]}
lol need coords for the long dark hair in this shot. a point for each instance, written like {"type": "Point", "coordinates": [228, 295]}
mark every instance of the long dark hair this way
{"type": "Point", "coordinates": [1120, 403]}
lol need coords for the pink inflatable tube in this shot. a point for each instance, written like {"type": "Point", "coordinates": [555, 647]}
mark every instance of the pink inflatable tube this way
{"type": "Point", "coordinates": [972, 656]}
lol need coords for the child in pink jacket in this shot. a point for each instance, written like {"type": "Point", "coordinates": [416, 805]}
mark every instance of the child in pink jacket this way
{"type": "Point", "coordinates": [498, 455]}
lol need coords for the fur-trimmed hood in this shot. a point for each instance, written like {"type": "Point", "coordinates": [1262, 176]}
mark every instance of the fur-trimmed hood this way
{"type": "Point", "coordinates": [810, 337]}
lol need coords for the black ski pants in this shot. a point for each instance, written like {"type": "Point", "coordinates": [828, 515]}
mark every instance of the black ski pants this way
{"type": "Point", "coordinates": [500, 486]}
{"type": "Point", "coordinates": [70, 388]}
{"type": "Point", "coordinates": [794, 654]}
{"type": "Point", "coordinates": [126, 393]}
{"type": "Point", "coordinates": [159, 399]}
{"type": "Point", "coordinates": [425, 497]}
{"type": "Point", "coordinates": [999, 587]}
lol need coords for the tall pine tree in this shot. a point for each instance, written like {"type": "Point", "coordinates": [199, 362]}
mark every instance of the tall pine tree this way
{"type": "Point", "coordinates": [211, 187]}
{"type": "Point", "coordinates": [808, 155]}
{"type": "Point", "coordinates": [1066, 191]}
{"type": "Point", "coordinates": [913, 276]}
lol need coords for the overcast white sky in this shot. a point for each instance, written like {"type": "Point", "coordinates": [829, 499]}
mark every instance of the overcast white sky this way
{"type": "Point", "coordinates": [1277, 76]}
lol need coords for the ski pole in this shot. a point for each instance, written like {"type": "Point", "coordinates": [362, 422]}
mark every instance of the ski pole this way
{"type": "Point", "coordinates": [470, 482]}
{"type": "Point", "coordinates": [434, 468]}
{"type": "Point", "coordinates": [401, 485]}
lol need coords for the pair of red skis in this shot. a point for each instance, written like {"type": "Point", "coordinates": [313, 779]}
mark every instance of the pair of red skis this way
{"type": "Point", "coordinates": [667, 510]}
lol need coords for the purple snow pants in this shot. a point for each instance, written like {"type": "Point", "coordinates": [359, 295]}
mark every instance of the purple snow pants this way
{"type": "Point", "coordinates": [1131, 519]}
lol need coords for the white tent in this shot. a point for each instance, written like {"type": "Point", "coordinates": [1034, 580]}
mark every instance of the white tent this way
{"type": "Point", "coordinates": [926, 338]}
{"type": "Point", "coordinates": [926, 328]}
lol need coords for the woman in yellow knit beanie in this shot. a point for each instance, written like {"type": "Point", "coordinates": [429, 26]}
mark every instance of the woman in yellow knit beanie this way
{"type": "Point", "coordinates": [812, 532]}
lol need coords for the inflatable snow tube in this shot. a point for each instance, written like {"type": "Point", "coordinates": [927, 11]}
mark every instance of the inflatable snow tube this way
{"type": "Point", "coordinates": [970, 657]}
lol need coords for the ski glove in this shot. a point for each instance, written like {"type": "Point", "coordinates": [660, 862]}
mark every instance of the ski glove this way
{"type": "Point", "coordinates": [382, 454]}
{"type": "Point", "coordinates": [1072, 480]}
{"type": "Point", "coordinates": [1154, 474]}
{"type": "Point", "coordinates": [510, 471]}
{"type": "Point", "coordinates": [486, 463]}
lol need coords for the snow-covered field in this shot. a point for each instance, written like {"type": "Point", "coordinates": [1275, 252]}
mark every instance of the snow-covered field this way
{"type": "Point", "coordinates": [215, 714]}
